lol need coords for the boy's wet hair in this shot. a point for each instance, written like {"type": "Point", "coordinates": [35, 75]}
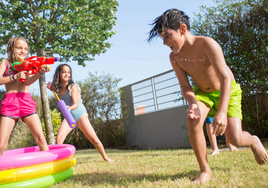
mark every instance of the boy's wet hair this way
{"type": "Point", "coordinates": [171, 19]}
{"type": "Point", "coordinates": [56, 85]}
{"type": "Point", "coordinates": [11, 45]}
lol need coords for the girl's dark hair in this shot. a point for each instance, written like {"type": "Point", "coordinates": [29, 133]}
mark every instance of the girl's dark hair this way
{"type": "Point", "coordinates": [172, 19]}
{"type": "Point", "coordinates": [56, 79]}
{"type": "Point", "coordinates": [11, 45]}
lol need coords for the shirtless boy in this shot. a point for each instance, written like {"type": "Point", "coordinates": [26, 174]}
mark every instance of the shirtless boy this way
{"type": "Point", "coordinates": [216, 94]}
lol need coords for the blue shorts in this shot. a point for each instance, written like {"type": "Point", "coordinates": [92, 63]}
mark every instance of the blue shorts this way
{"type": "Point", "coordinates": [208, 120]}
{"type": "Point", "coordinates": [79, 111]}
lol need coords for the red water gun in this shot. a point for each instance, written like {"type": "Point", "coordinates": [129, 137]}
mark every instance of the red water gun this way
{"type": "Point", "coordinates": [32, 64]}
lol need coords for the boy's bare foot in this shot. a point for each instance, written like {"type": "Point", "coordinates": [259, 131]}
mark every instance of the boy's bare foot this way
{"type": "Point", "coordinates": [202, 178]}
{"type": "Point", "coordinates": [214, 152]}
{"type": "Point", "coordinates": [259, 151]}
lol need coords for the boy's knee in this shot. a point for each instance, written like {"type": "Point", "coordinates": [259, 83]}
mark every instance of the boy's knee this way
{"type": "Point", "coordinates": [194, 126]}
{"type": "Point", "coordinates": [234, 140]}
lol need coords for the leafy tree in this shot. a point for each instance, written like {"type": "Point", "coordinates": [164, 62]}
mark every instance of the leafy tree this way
{"type": "Point", "coordinates": [240, 27]}
{"type": "Point", "coordinates": [75, 30]}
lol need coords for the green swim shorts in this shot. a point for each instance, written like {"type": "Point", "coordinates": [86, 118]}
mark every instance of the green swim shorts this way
{"type": "Point", "coordinates": [212, 100]}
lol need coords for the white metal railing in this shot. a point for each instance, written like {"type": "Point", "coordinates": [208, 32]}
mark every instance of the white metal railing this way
{"type": "Point", "coordinates": [156, 93]}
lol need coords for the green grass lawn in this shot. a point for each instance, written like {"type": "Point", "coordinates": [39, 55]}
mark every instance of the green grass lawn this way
{"type": "Point", "coordinates": [165, 168]}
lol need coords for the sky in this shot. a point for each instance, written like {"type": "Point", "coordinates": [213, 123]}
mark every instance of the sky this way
{"type": "Point", "coordinates": [131, 57]}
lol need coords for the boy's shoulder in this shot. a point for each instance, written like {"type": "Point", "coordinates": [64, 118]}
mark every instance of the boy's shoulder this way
{"type": "Point", "coordinates": [201, 44]}
{"type": "Point", "coordinates": [203, 40]}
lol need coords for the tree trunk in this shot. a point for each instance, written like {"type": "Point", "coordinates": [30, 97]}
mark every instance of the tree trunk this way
{"type": "Point", "coordinates": [45, 104]}
{"type": "Point", "coordinates": [42, 83]}
{"type": "Point", "coordinates": [46, 111]}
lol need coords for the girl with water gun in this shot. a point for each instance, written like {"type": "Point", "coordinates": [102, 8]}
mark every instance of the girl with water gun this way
{"type": "Point", "coordinates": [69, 92]}
{"type": "Point", "coordinates": [18, 102]}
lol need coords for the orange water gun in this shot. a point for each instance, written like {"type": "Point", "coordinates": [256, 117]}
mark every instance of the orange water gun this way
{"type": "Point", "coordinates": [32, 64]}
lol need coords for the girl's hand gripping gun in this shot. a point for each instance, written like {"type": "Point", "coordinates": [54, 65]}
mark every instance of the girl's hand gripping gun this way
{"type": "Point", "coordinates": [32, 64]}
{"type": "Point", "coordinates": [65, 111]}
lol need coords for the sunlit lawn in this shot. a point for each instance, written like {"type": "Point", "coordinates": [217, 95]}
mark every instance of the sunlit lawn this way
{"type": "Point", "coordinates": [165, 168]}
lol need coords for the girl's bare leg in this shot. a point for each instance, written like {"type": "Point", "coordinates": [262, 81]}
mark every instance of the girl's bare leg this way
{"type": "Point", "coordinates": [63, 131]}
{"type": "Point", "coordinates": [34, 124]}
{"type": "Point", "coordinates": [212, 139]}
{"type": "Point", "coordinates": [239, 138]}
{"type": "Point", "coordinates": [6, 126]}
{"type": "Point", "coordinates": [87, 129]}
{"type": "Point", "coordinates": [198, 142]}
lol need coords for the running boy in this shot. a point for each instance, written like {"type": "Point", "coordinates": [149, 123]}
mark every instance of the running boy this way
{"type": "Point", "coordinates": [216, 93]}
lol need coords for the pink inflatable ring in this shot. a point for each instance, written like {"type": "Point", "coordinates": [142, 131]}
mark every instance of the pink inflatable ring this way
{"type": "Point", "coordinates": [31, 156]}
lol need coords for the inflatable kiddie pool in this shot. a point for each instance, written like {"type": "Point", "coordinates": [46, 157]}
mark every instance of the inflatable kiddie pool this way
{"type": "Point", "coordinates": [29, 167]}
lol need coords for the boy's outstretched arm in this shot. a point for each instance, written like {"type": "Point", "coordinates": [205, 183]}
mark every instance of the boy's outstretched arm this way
{"type": "Point", "coordinates": [186, 89]}
{"type": "Point", "coordinates": [225, 77]}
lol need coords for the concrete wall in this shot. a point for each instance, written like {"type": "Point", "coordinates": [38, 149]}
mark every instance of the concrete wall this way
{"type": "Point", "coordinates": [160, 129]}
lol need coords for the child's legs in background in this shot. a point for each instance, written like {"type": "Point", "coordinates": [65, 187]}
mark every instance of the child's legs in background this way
{"type": "Point", "coordinates": [230, 146]}
{"type": "Point", "coordinates": [63, 131]}
{"type": "Point", "coordinates": [212, 139]}
{"type": "Point", "coordinates": [198, 141]}
{"type": "Point", "coordinates": [86, 127]}
{"type": "Point", "coordinates": [6, 127]}
{"type": "Point", "coordinates": [239, 138]}
{"type": "Point", "coordinates": [34, 124]}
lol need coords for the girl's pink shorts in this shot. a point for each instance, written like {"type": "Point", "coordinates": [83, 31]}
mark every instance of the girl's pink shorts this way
{"type": "Point", "coordinates": [17, 105]}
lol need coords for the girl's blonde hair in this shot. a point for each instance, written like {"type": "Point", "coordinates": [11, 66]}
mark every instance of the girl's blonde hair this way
{"type": "Point", "coordinates": [11, 45]}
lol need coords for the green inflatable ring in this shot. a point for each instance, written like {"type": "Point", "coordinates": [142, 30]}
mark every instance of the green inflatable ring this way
{"type": "Point", "coordinates": [41, 181]}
